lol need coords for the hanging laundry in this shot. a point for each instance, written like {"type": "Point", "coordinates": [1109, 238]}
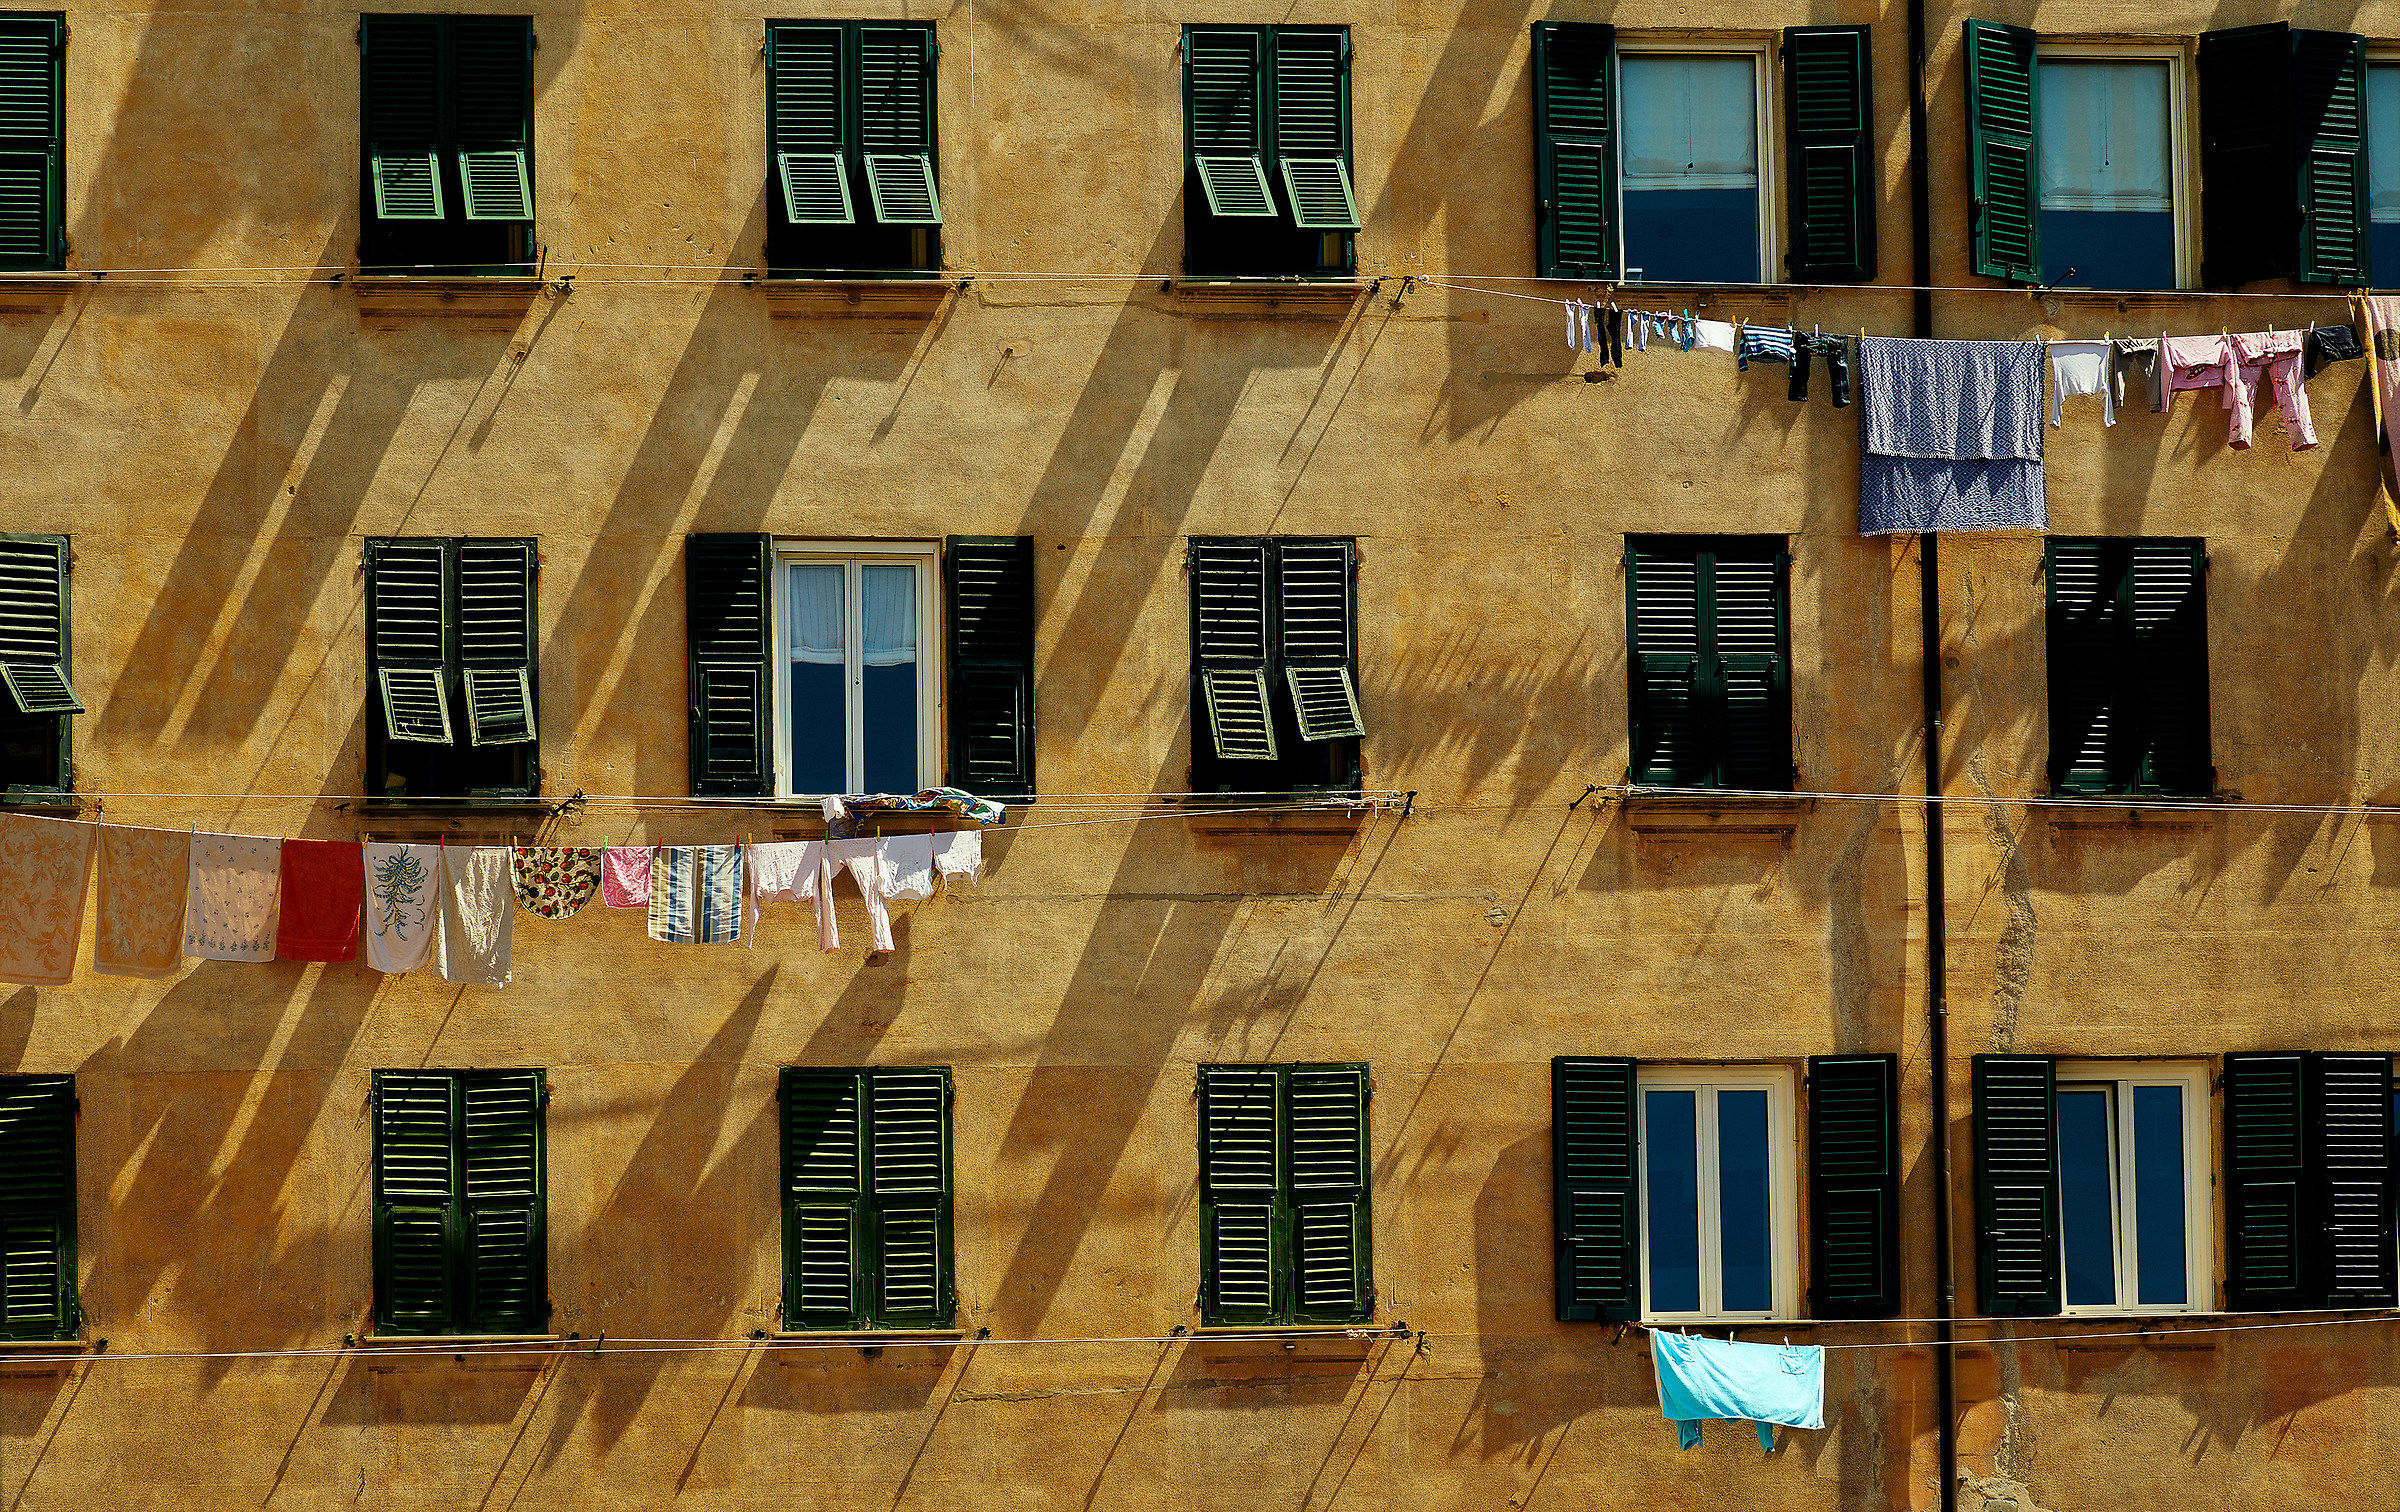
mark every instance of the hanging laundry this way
{"type": "Point", "coordinates": [864, 861]}
{"type": "Point", "coordinates": [958, 853]}
{"type": "Point", "coordinates": [908, 866]}
{"type": "Point", "coordinates": [1715, 335]}
{"type": "Point", "coordinates": [1574, 326]}
{"type": "Point", "coordinates": [793, 871]}
{"type": "Point", "coordinates": [554, 881]}
{"type": "Point", "coordinates": [625, 876]}
{"type": "Point", "coordinates": [2078, 368]}
{"type": "Point", "coordinates": [1763, 1384]}
{"type": "Point", "coordinates": [1766, 343]}
{"type": "Point", "coordinates": [696, 895]}
{"type": "Point", "coordinates": [479, 914]}
{"type": "Point", "coordinates": [320, 891]}
{"type": "Point", "coordinates": [403, 882]}
{"type": "Point", "coordinates": [1835, 349]}
{"type": "Point", "coordinates": [1950, 436]}
{"type": "Point", "coordinates": [943, 800]}
{"type": "Point", "coordinates": [1612, 334]}
{"type": "Point", "coordinates": [1637, 329]}
{"type": "Point", "coordinates": [2271, 358]}
{"type": "Point", "coordinates": [144, 876]}
{"type": "Point", "coordinates": [230, 906]}
{"type": "Point", "coordinates": [2327, 345]}
{"type": "Point", "coordinates": [2383, 389]}
{"type": "Point", "coordinates": [2190, 363]}
{"type": "Point", "coordinates": [45, 869]}
{"type": "Point", "coordinates": [2136, 357]}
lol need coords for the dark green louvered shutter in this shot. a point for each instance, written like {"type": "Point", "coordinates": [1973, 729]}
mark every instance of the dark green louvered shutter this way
{"type": "Point", "coordinates": [501, 1218]}
{"type": "Point", "coordinates": [2266, 1178]}
{"type": "Point", "coordinates": [989, 580]}
{"type": "Point", "coordinates": [1229, 646]}
{"type": "Point", "coordinates": [1829, 146]}
{"type": "Point", "coordinates": [1664, 692]}
{"type": "Point", "coordinates": [1326, 1157]}
{"type": "Point", "coordinates": [409, 647]}
{"type": "Point", "coordinates": [807, 147]}
{"type": "Point", "coordinates": [1574, 150]}
{"type": "Point", "coordinates": [32, 141]}
{"type": "Point", "coordinates": [36, 620]}
{"type": "Point", "coordinates": [726, 608]}
{"type": "Point", "coordinates": [2016, 1184]}
{"type": "Point", "coordinates": [2166, 612]}
{"type": "Point", "coordinates": [400, 63]}
{"type": "Point", "coordinates": [1316, 630]}
{"type": "Point", "coordinates": [2329, 115]}
{"type": "Point", "coordinates": [495, 639]}
{"type": "Point", "coordinates": [2283, 155]}
{"type": "Point", "coordinates": [1595, 1204]}
{"type": "Point", "coordinates": [2350, 1127]}
{"type": "Point", "coordinates": [1312, 127]}
{"type": "Point", "coordinates": [2004, 152]}
{"type": "Point", "coordinates": [1854, 1185]}
{"type": "Point", "coordinates": [1240, 1163]}
{"type": "Point", "coordinates": [37, 1207]}
{"type": "Point", "coordinates": [824, 1193]}
{"type": "Point", "coordinates": [1224, 122]}
{"type": "Point", "coordinates": [909, 1171]}
{"type": "Point", "coordinates": [1745, 610]}
{"type": "Point", "coordinates": [492, 89]}
{"type": "Point", "coordinates": [418, 1226]}
{"type": "Point", "coordinates": [2086, 659]}
{"type": "Point", "coordinates": [896, 123]}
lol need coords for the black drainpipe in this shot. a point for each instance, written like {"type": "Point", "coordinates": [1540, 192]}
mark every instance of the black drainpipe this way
{"type": "Point", "coordinates": [1929, 600]}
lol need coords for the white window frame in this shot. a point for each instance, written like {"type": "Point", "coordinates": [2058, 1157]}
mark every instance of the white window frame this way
{"type": "Point", "coordinates": [2199, 1254]}
{"type": "Point", "coordinates": [2182, 181]}
{"type": "Point", "coordinates": [925, 556]}
{"type": "Point", "coordinates": [1761, 52]}
{"type": "Point", "coordinates": [1783, 1193]}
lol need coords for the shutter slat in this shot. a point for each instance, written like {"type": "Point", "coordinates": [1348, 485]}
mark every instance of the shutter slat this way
{"type": "Point", "coordinates": [1231, 586]}
{"type": "Point", "coordinates": [412, 1137]}
{"type": "Point", "coordinates": [900, 185]}
{"type": "Point", "coordinates": [2329, 113]}
{"type": "Point", "coordinates": [495, 603]}
{"type": "Point", "coordinates": [502, 1142]}
{"type": "Point", "coordinates": [1325, 703]}
{"type": "Point", "coordinates": [400, 62]}
{"type": "Point", "coordinates": [1239, 1265]}
{"type": "Point", "coordinates": [816, 189]}
{"type": "Point", "coordinates": [499, 705]}
{"type": "Point", "coordinates": [804, 88]}
{"type": "Point", "coordinates": [1221, 82]}
{"type": "Point", "coordinates": [1594, 1211]}
{"type": "Point", "coordinates": [1238, 716]}
{"type": "Point", "coordinates": [406, 594]}
{"type": "Point", "coordinates": [2016, 1185]}
{"type": "Point", "coordinates": [2166, 594]}
{"type": "Point", "coordinates": [498, 184]}
{"type": "Point", "coordinates": [1318, 189]}
{"type": "Point", "coordinates": [821, 1131]}
{"type": "Point", "coordinates": [416, 704]}
{"type": "Point", "coordinates": [1311, 118]}
{"type": "Point", "coordinates": [2003, 119]}
{"type": "Point", "coordinates": [2085, 659]}
{"type": "Point", "coordinates": [908, 1151]}
{"type": "Point", "coordinates": [909, 1262]}
{"type": "Point", "coordinates": [1829, 126]}
{"type": "Point", "coordinates": [37, 1207]}
{"type": "Point", "coordinates": [895, 89]}
{"type": "Point", "coordinates": [414, 1290]}
{"type": "Point", "coordinates": [2265, 1172]}
{"type": "Point", "coordinates": [1574, 150]}
{"type": "Point", "coordinates": [33, 586]}
{"type": "Point", "coordinates": [1238, 1128]}
{"type": "Point", "coordinates": [1854, 1184]}
{"type": "Point", "coordinates": [1235, 186]}
{"type": "Point", "coordinates": [1328, 1126]}
{"type": "Point", "coordinates": [821, 1265]}
{"type": "Point", "coordinates": [408, 183]}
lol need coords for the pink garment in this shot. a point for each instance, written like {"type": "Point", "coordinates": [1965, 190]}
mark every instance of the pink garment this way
{"type": "Point", "coordinates": [2383, 361]}
{"type": "Point", "coordinates": [864, 858]}
{"type": "Point", "coordinates": [2192, 362]}
{"type": "Point", "coordinates": [625, 876]}
{"type": "Point", "coordinates": [2274, 356]}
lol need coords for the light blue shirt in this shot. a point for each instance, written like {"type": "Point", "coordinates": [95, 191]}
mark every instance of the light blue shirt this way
{"type": "Point", "coordinates": [1766, 1384]}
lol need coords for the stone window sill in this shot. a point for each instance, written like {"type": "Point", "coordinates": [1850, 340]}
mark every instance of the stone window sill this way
{"type": "Point", "coordinates": [1687, 817]}
{"type": "Point", "coordinates": [854, 298]}
{"type": "Point", "coordinates": [1310, 298]}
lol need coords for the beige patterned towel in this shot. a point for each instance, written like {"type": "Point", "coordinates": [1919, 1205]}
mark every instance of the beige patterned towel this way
{"type": "Point", "coordinates": [45, 865]}
{"type": "Point", "coordinates": [144, 874]}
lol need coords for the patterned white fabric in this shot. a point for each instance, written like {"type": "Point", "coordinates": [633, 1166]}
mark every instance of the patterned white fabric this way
{"type": "Point", "coordinates": [479, 914]}
{"type": "Point", "coordinates": [1950, 436]}
{"type": "Point", "coordinates": [402, 883]}
{"type": "Point", "coordinates": [234, 897]}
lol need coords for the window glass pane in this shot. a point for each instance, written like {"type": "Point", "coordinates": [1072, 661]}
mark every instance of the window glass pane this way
{"type": "Point", "coordinates": [2087, 1196]}
{"type": "Point", "coordinates": [1671, 1219]}
{"type": "Point", "coordinates": [820, 732]}
{"type": "Point", "coordinates": [2383, 175]}
{"type": "Point", "coordinates": [2108, 203]}
{"type": "Point", "coordinates": [2158, 1214]}
{"type": "Point", "coordinates": [1746, 1224]}
{"type": "Point", "coordinates": [888, 650]}
{"type": "Point", "coordinates": [1690, 173]}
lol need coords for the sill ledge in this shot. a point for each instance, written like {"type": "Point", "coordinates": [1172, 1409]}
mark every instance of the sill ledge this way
{"type": "Point", "coordinates": [498, 298]}
{"type": "Point", "coordinates": [931, 1338]}
{"type": "Point", "coordinates": [2067, 811]}
{"type": "Point", "coordinates": [1338, 819]}
{"type": "Point", "coordinates": [1308, 299]}
{"type": "Point", "coordinates": [857, 298]}
{"type": "Point", "coordinates": [77, 1346]}
{"type": "Point", "coordinates": [373, 1341]}
{"type": "Point", "coordinates": [1689, 818]}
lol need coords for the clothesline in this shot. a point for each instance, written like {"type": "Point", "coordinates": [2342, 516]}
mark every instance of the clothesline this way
{"type": "Point", "coordinates": [2163, 1329]}
{"type": "Point", "coordinates": [1622, 791]}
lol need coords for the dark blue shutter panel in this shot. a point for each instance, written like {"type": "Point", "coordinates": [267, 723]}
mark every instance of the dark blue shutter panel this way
{"type": "Point", "coordinates": [2350, 1132]}
{"type": "Point", "coordinates": [1854, 1185]}
{"type": "Point", "coordinates": [1753, 672]}
{"type": "Point", "coordinates": [2004, 152]}
{"type": "Point", "coordinates": [991, 591]}
{"type": "Point", "coordinates": [2085, 659]}
{"type": "Point", "coordinates": [32, 142]}
{"type": "Point", "coordinates": [2016, 1185]}
{"type": "Point", "coordinates": [1595, 1206]}
{"type": "Point", "coordinates": [1575, 150]}
{"type": "Point", "coordinates": [2266, 1142]}
{"type": "Point", "coordinates": [2167, 609]}
{"type": "Point", "coordinates": [727, 601]}
{"type": "Point", "coordinates": [37, 1207]}
{"type": "Point", "coordinates": [1831, 177]}
{"type": "Point", "coordinates": [501, 1150]}
{"type": "Point", "coordinates": [1669, 745]}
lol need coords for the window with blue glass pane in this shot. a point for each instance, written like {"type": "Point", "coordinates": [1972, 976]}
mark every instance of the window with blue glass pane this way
{"type": "Point", "coordinates": [1671, 1160]}
{"type": "Point", "coordinates": [1688, 167]}
{"type": "Point", "coordinates": [2383, 176]}
{"type": "Point", "coordinates": [2126, 1188]}
{"type": "Point", "coordinates": [2087, 1195]}
{"type": "Point", "coordinates": [857, 687]}
{"type": "Point", "coordinates": [1718, 1237]}
{"type": "Point", "coordinates": [2108, 191]}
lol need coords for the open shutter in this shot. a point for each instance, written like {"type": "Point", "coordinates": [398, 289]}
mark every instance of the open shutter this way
{"type": "Point", "coordinates": [1753, 671]}
{"type": "Point", "coordinates": [896, 123]}
{"type": "Point", "coordinates": [504, 1244]}
{"type": "Point", "coordinates": [2016, 1184]}
{"type": "Point", "coordinates": [805, 141]}
{"type": "Point", "coordinates": [492, 84]}
{"type": "Point", "coordinates": [37, 1207]}
{"type": "Point", "coordinates": [417, 1223]}
{"type": "Point", "coordinates": [1224, 83]}
{"type": "Point", "coordinates": [1854, 1185]}
{"type": "Point", "coordinates": [1316, 622]}
{"type": "Point", "coordinates": [32, 141]}
{"type": "Point", "coordinates": [2265, 1182]}
{"type": "Point", "coordinates": [496, 639]}
{"type": "Point", "coordinates": [824, 1189]}
{"type": "Point", "coordinates": [1240, 1160]}
{"type": "Point", "coordinates": [1312, 127]}
{"type": "Point", "coordinates": [1830, 169]}
{"type": "Point", "coordinates": [1664, 688]}
{"type": "Point", "coordinates": [2004, 152]}
{"type": "Point", "coordinates": [408, 583]}
{"type": "Point", "coordinates": [2248, 195]}
{"type": "Point", "coordinates": [2350, 1134]}
{"type": "Point", "coordinates": [1574, 149]}
{"type": "Point", "coordinates": [1229, 646]}
{"type": "Point", "coordinates": [35, 624]}
{"type": "Point", "coordinates": [2329, 127]}
{"type": "Point", "coordinates": [1332, 1275]}
{"type": "Point", "coordinates": [990, 584]}
{"type": "Point", "coordinates": [2167, 609]}
{"type": "Point", "coordinates": [726, 618]}
{"type": "Point", "coordinates": [2086, 660]}
{"type": "Point", "coordinates": [1595, 1205]}
{"type": "Point", "coordinates": [909, 1166]}
{"type": "Point", "coordinates": [400, 59]}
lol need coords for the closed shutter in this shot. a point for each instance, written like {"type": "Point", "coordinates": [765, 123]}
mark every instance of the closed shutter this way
{"type": "Point", "coordinates": [496, 638]}
{"type": "Point", "coordinates": [2265, 1183]}
{"type": "Point", "coordinates": [1229, 641]}
{"type": "Point", "coordinates": [418, 1233]}
{"type": "Point", "coordinates": [824, 1192]}
{"type": "Point", "coordinates": [896, 123]}
{"type": "Point", "coordinates": [35, 624]}
{"type": "Point", "coordinates": [2089, 727]}
{"type": "Point", "coordinates": [1317, 630]}
{"type": "Point", "coordinates": [400, 60]}
{"type": "Point", "coordinates": [37, 1207]}
{"type": "Point", "coordinates": [1664, 692]}
{"type": "Point", "coordinates": [727, 615]}
{"type": "Point", "coordinates": [806, 144]}
{"type": "Point", "coordinates": [2016, 1184]}
{"type": "Point", "coordinates": [32, 142]}
{"type": "Point", "coordinates": [1574, 147]}
{"type": "Point", "coordinates": [2350, 1129]}
{"type": "Point", "coordinates": [909, 1169]}
{"type": "Point", "coordinates": [1224, 126]}
{"type": "Point", "coordinates": [1829, 139]}
{"type": "Point", "coordinates": [492, 87]}
{"type": "Point", "coordinates": [2004, 152]}
{"type": "Point", "coordinates": [408, 641]}
{"type": "Point", "coordinates": [1326, 1154]}
{"type": "Point", "coordinates": [1854, 1185]}
{"type": "Point", "coordinates": [1595, 1206]}
{"type": "Point", "coordinates": [1753, 675]}
{"type": "Point", "coordinates": [1240, 1162]}
{"type": "Point", "coordinates": [1312, 127]}
{"type": "Point", "coordinates": [2166, 609]}
{"type": "Point", "coordinates": [503, 1228]}
{"type": "Point", "coordinates": [989, 580]}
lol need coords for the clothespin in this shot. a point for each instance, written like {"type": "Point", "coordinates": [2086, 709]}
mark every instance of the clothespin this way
{"type": "Point", "coordinates": [2106, 336]}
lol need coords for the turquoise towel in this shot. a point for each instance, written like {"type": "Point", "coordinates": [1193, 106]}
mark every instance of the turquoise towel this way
{"type": "Point", "coordinates": [1766, 1384]}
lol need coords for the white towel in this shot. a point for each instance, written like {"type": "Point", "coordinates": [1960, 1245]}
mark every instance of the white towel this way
{"type": "Point", "coordinates": [402, 881]}
{"type": "Point", "coordinates": [959, 853]}
{"type": "Point", "coordinates": [908, 866]}
{"type": "Point", "coordinates": [793, 871]}
{"type": "Point", "coordinates": [233, 898]}
{"type": "Point", "coordinates": [479, 914]}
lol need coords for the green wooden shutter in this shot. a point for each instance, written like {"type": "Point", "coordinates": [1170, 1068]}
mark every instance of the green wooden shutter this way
{"type": "Point", "coordinates": [1745, 607]}
{"type": "Point", "coordinates": [492, 87]}
{"type": "Point", "coordinates": [2004, 151]}
{"type": "Point", "coordinates": [1854, 1185]}
{"type": "Point", "coordinates": [824, 1197]}
{"type": "Point", "coordinates": [1595, 1206]}
{"type": "Point", "coordinates": [409, 646]}
{"type": "Point", "coordinates": [807, 148]}
{"type": "Point", "coordinates": [495, 638]}
{"type": "Point", "coordinates": [1317, 635]}
{"type": "Point", "coordinates": [1831, 174]}
{"type": "Point", "coordinates": [37, 1207]}
{"type": "Point", "coordinates": [989, 581]}
{"type": "Point", "coordinates": [2016, 1184]}
{"type": "Point", "coordinates": [2089, 727]}
{"type": "Point", "coordinates": [400, 63]}
{"type": "Point", "coordinates": [32, 141]}
{"type": "Point", "coordinates": [418, 1225]}
{"type": "Point", "coordinates": [1229, 646]}
{"type": "Point", "coordinates": [2248, 193]}
{"type": "Point", "coordinates": [2350, 1135]}
{"type": "Point", "coordinates": [2265, 1183]}
{"type": "Point", "coordinates": [909, 1169]}
{"type": "Point", "coordinates": [503, 1227]}
{"type": "Point", "coordinates": [2166, 608]}
{"type": "Point", "coordinates": [1311, 121]}
{"type": "Point", "coordinates": [35, 624]}
{"type": "Point", "coordinates": [1240, 1166]}
{"type": "Point", "coordinates": [1574, 149]}
{"type": "Point", "coordinates": [2329, 118]}
{"type": "Point", "coordinates": [1326, 1157]}
{"type": "Point", "coordinates": [1224, 127]}
{"type": "Point", "coordinates": [896, 122]}
{"type": "Point", "coordinates": [727, 620]}
{"type": "Point", "coordinates": [1666, 688]}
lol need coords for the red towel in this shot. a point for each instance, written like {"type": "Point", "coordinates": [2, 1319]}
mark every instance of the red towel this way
{"type": "Point", "coordinates": [324, 882]}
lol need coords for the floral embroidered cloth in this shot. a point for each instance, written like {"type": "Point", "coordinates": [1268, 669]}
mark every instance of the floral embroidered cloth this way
{"type": "Point", "coordinates": [230, 906]}
{"type": "Point", "coordinates": [625, 876]}
{"type": "Point", "coordinates": [479, 914]}
{"type": "Point", "coordinates": [555, 881]}
{"type": "Point", "coordinates": [318, 916]}
{"type": "Point", "coordinates": [400, 905]}
{"type": "Point", "coordinates": [45, 865]}
{"type": "Point", "coordinates": [144, 874]}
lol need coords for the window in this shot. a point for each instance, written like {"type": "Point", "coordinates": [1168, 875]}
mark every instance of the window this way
{"type": "Point", "coordinates": [2108, 171]}
{"type": "Point", "coordinates": [33, 156]}
{"type": "Point", "coordinates": [461, 1243]}
{"type": "Point", "coordinates": [1693, 197]}
{"type": "Point", "coordinates": [1274, 664]}
{"type": "Point", "coordinates": [814, 667]}
{"type": "Point", "coordinates": [1716, 1190]}
{"type": "Point", "coordinates": [2128, 631]}
{"type": "Point", "coordinates": [2284, 133]}
{"type": "Point", "coordinates": [1267, 143]}
{"type": "Point", "coordinates": [446, 106]}
{"type": "Point", "coordinates": [1709, 685]}
{"type": "Point", "coordinates": [2383, 174]}
{"type": "Point", "coordinates": [2308, 1181]}
{"type": "Point", "coordinates": [37, 694]}
{"type": "Point", "coordinates": [851, 148]}
{"type": "Point", "coordinates": [866, 1198]}
{"type": "Point", "coordinates": [1284, 1214]}
{"type": "Point", "coordinates": [37, 1207]}
{"type": "Point", "coordinates": [450, 667]}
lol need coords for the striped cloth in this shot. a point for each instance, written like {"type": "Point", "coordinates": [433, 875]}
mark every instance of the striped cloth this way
{"type": "Point", "coordinates": [696, 894]}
